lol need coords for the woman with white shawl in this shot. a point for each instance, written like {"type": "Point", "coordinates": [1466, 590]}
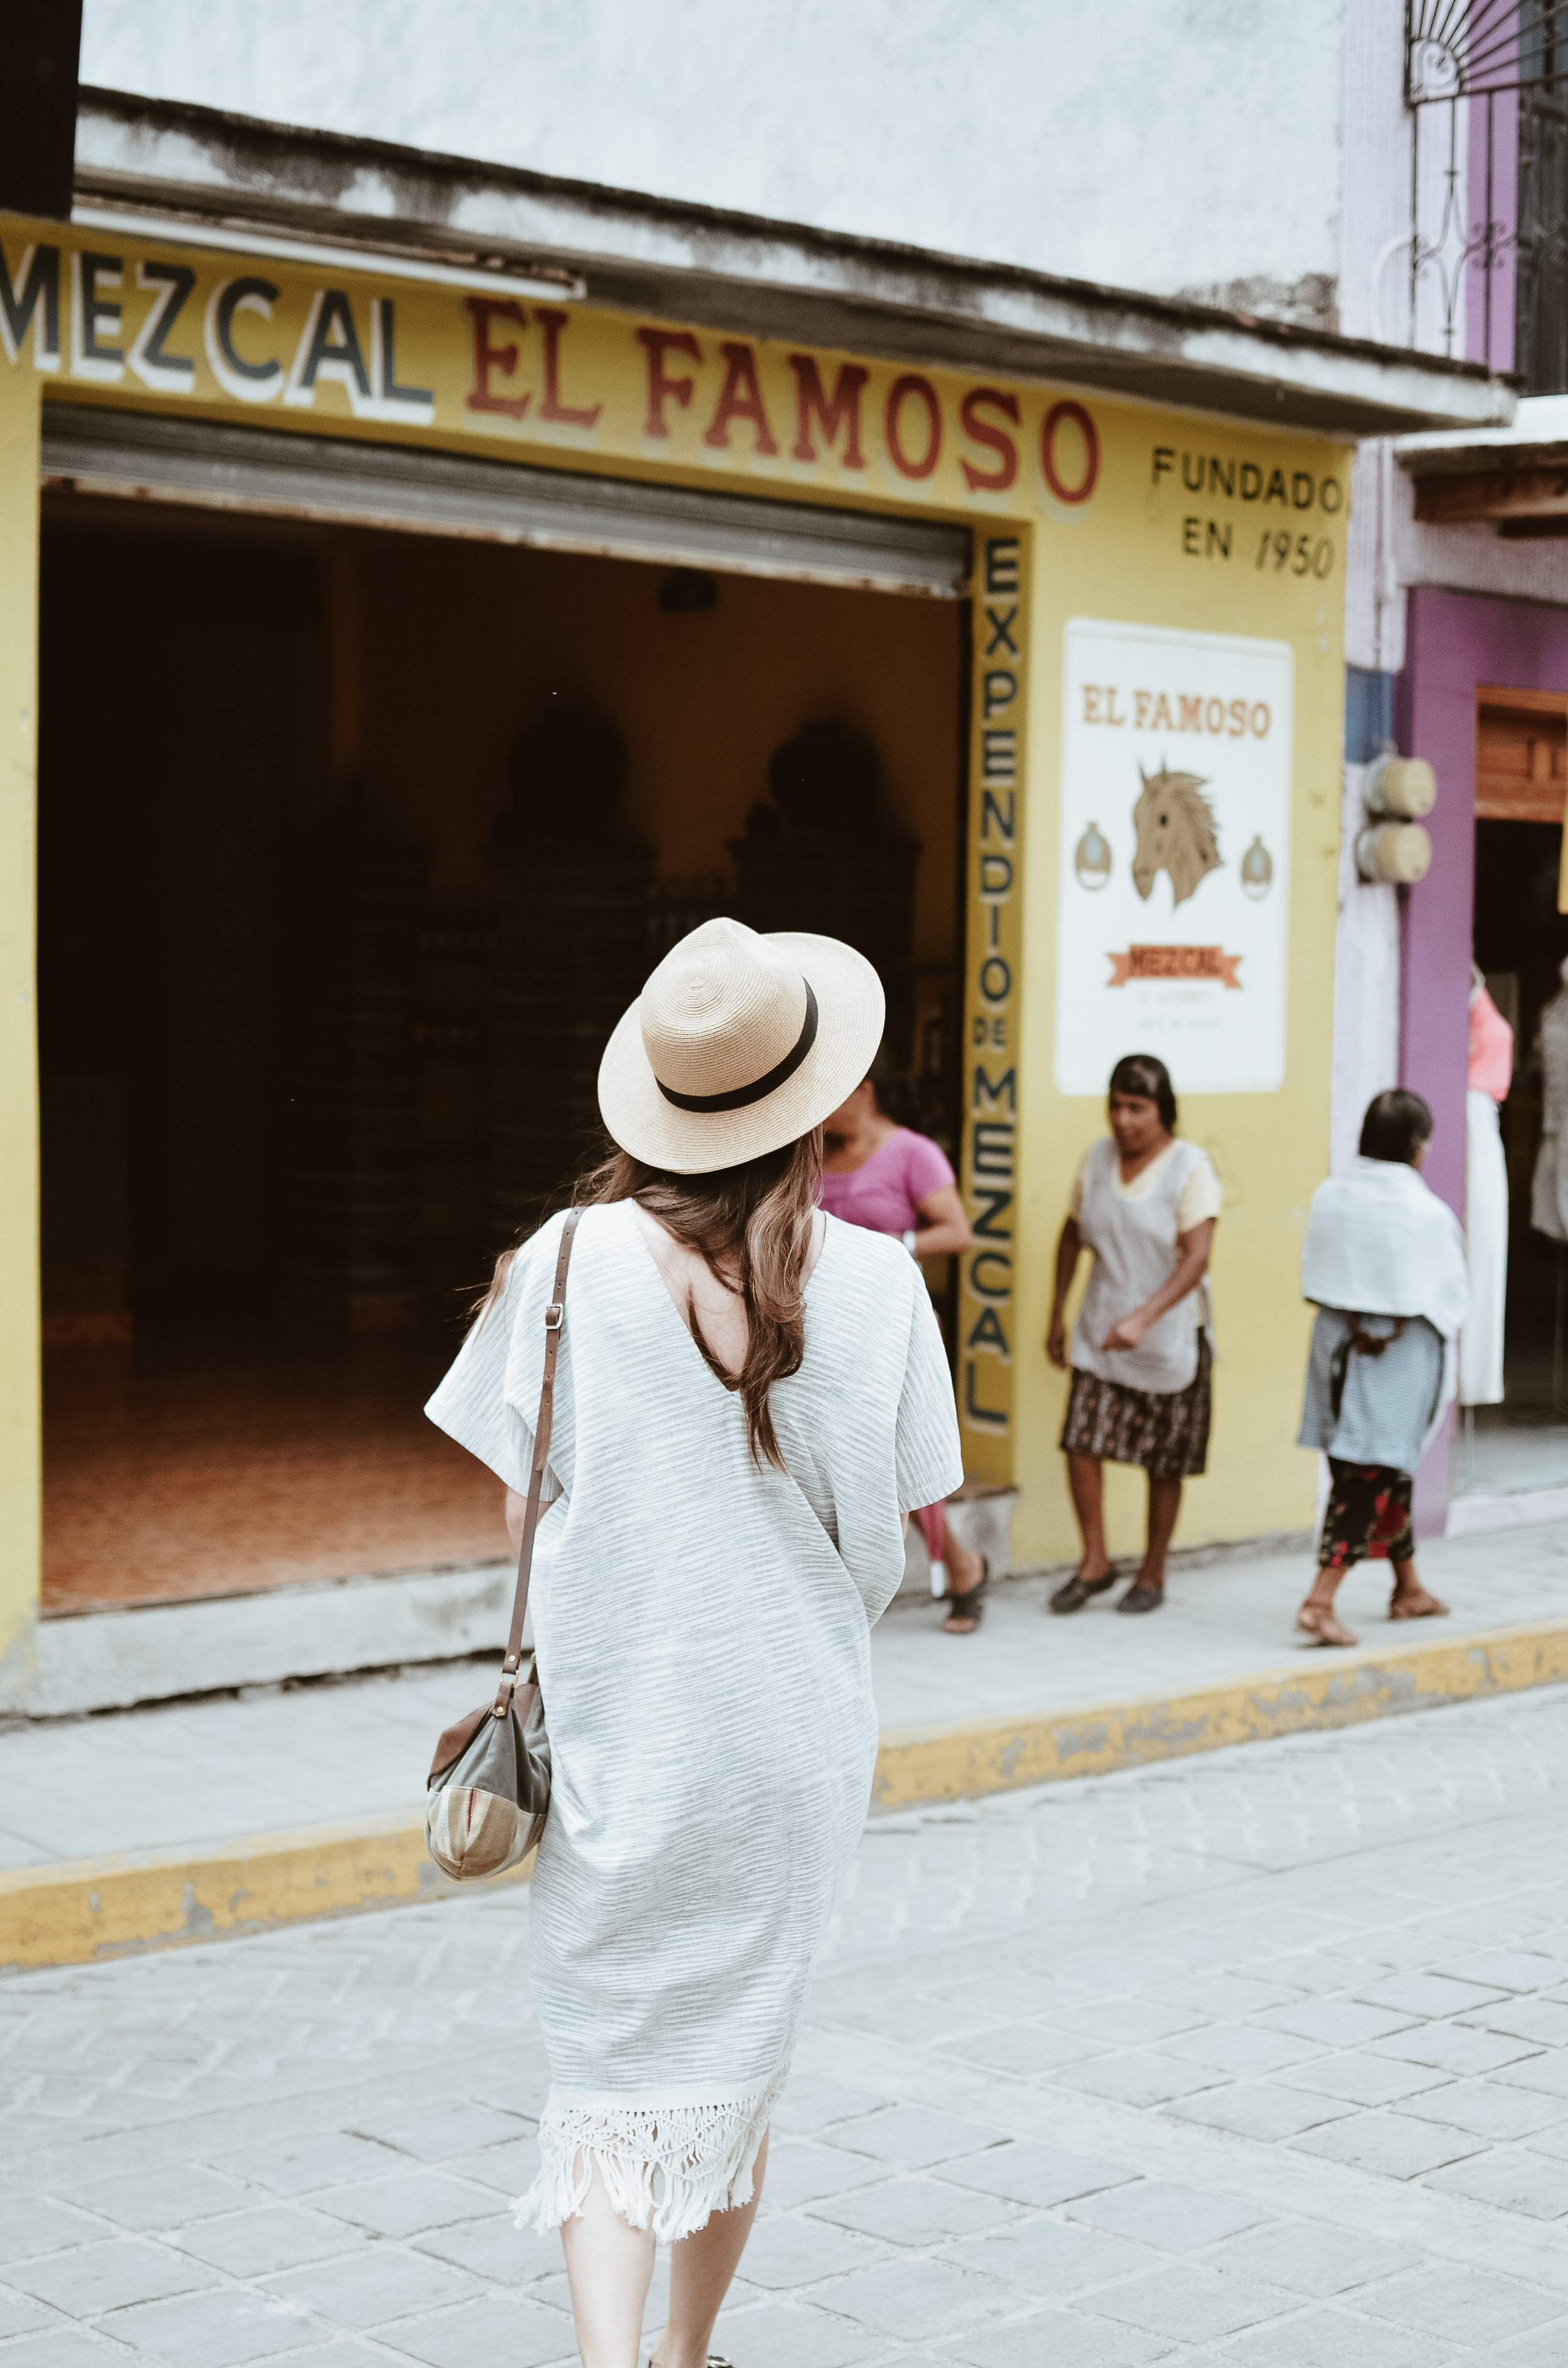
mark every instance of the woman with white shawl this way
{"type": "Point", "coordinates": [1384, 1260]}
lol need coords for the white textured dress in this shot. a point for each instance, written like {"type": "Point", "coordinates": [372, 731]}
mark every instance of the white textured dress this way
{"type": "Point", "coordinates": [702, 1632]}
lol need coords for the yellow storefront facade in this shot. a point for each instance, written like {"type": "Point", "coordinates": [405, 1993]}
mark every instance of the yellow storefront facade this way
{"type": "Point", "coordinates": [1152, 630]}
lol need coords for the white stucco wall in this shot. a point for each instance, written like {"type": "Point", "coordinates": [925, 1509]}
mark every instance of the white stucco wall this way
{"type": "Point", "coordinates": [1366, 985]}
{"type": "Point", "coordinates": [1165, 145]}
{"type": "Point", "coordinates": [1375, 283]}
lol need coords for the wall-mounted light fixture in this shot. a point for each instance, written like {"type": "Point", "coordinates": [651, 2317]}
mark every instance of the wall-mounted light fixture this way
{"type": "Point", "coordinates": [1394, 848]}
{"type": "Point", "coordinates": [1397, 854]}
{"type": "Point", "coordinates": [1405, 787]}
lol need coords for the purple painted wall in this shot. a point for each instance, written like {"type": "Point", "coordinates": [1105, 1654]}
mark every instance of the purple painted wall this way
{"type": "Point", "coordinates": [1453, 642]}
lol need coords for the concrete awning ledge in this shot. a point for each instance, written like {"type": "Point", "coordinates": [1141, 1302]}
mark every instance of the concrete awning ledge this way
{"type": "Point", "coordinates": [223, 175]}
{"type": "Point", "coordinates": [1516, 477]}
{"type": "Point", "coordinates": [1538, 431]}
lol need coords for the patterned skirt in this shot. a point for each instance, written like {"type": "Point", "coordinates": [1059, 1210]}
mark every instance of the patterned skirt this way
{"type": "Point", "coordinates": [1367, 1516]}
{"type": "Point", "coordinates": [1164, 1432]}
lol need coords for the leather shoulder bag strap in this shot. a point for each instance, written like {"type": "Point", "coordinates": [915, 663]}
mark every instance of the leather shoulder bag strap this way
{"type": "Point", "coordinates": [554, 1317]}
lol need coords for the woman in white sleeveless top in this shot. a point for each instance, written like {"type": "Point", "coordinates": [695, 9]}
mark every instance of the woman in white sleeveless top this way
{"type": "Point", "coordinates": [750, 1397]}
{"type": "Point", "coordinates": [1144, 1205]}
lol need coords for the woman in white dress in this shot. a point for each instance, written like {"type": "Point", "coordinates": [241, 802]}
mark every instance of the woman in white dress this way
{"type": "Point", "coordinates": [749, 1398]}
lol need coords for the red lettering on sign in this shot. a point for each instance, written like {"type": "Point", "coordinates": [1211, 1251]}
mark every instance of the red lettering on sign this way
{"type": "Point", "coordinates": [551, 407]}
{"type": "Point", "coordinates": [899, 394]}
{"type": "Point", "coordinates": [1174, 961]}
{"type": "Point", "coordinates": [740, 397]}
{"type": "Point", "coordinates": [485, 311]}
{"type": "Point", "coordinates": [656, 344]}
{"type": "Point", "coordinates": [996, 440]}
{"type": "Point", "coordinates": [841, 410]}
{"type": "Point", "coordinates": [1054, 419]}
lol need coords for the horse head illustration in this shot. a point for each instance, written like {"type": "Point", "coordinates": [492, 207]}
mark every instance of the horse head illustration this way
{"type": "Point", "coordinates": [1175, 823]}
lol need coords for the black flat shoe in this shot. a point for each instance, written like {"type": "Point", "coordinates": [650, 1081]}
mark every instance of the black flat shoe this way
{"type": "Point", "coordinates": [1076, 1592]}
{"type": "Point", "coordinates": [970, 1607]}
{"type": "Point", "coordinates": [1142, 1598]}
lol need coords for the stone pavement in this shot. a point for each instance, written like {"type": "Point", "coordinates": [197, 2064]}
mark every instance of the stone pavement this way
{"type": "Point", "coordinates": [1255, 2059]}
{"type": "Point", "coordinates": [206, 1770]}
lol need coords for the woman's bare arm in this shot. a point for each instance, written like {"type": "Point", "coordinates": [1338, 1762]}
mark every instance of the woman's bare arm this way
{"type": "Point", "coordinates": [516, 1508]}
{"type": "Point", "coordinates": [1067, 1249]}
{"type": "Point", "coordinates": [943, 1227]}
{"type": "Point", "coordinates": [1192, 1261]}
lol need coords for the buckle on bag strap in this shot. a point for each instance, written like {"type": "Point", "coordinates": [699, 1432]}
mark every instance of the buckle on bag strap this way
{"type": "Point", "coordinates": [554, 1314]}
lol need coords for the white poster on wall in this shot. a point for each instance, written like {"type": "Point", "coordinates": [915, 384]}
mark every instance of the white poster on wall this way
{"type": "Point", "coordinates": [1176, 842]}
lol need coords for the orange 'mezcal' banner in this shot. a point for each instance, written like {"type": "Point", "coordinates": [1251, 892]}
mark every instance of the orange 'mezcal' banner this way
{"type": "Point", "coordinates": [1174, 961]}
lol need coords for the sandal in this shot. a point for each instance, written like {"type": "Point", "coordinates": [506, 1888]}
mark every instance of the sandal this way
{"type": "Point", "coordinates": [1140, 1596]}
{"type": "Point", "coordinates": [1074, 1593]}
{"type": "Point", "coordinates": [1318, 1622]}
{"type": "Point", "coordinates": [970, 1606]}
{"type": "Point", "coordinates": [1416, 1605]}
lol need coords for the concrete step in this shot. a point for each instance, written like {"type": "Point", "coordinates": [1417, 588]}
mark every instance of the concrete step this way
{"type": "Point", "coordinates": [156, 1652]}
{"type": "Point", "coordinates": [115, 1659]}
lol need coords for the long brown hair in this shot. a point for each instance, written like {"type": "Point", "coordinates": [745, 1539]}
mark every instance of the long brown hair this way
{"type": "Point", "coordinates": [751, 1227]}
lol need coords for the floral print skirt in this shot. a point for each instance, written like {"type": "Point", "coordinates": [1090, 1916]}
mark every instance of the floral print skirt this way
{"type": "Point", "coordinates": [1367, 1517]}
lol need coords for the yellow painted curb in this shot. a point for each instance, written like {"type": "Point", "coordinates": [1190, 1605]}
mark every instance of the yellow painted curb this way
{"type": "Point", "coordinates": [923, 1764]}
{"type": "Point", "coordinates": [93, 1908]}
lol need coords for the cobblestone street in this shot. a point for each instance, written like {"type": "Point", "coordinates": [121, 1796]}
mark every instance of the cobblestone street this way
{"type": "Point", "coordinates": [1256, 2058]}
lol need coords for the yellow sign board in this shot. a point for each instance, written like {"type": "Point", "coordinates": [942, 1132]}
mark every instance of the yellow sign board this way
{"type": "Point", "coordinates": [1081, 508]}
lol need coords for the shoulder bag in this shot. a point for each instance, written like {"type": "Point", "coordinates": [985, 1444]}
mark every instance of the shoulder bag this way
{"type": "Point", "coordinates": [489, 1783]}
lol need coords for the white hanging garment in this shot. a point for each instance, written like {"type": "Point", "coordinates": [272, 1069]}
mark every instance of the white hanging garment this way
{"type": "Point", "coordinates": [1486, 1253]}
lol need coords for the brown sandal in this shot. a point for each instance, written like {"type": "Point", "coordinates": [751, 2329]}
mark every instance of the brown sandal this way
{"type": "Point", "coordinates": [1318, 1622]}
{"type": "Point", "coordinates": [1417, 1605]}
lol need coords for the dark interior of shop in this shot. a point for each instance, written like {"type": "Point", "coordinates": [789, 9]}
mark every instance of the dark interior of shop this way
{"type": "Point", "coordinates": [352, 847]}
{"type": "Point", "coordinates": [1521, 942]}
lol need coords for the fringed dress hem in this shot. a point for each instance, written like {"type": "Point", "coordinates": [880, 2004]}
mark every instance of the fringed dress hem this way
{"type": "Point", "coordinates": [665, 2167]}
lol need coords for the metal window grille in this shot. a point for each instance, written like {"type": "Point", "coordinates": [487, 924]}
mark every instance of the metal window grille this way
{"type": "Point", "coordinates": [1486, 84]}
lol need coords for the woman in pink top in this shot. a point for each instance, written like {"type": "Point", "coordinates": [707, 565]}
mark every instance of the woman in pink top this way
{"type": "Point", "coordinates": [886, 1178]}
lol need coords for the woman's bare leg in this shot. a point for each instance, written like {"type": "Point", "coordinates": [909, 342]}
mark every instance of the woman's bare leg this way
{"type": "Point", "coordinates": [965, 1569]}
{"type": "Point", "coordinates": [609, 2267]}
{"type": "Point", "coordinates": [1317, 1616]}
{"type": "Point", "coordinates": [701, 2269]}
{"type": "Point", "coordinates": [1084, 1478]}
{"type": "Point", "coordinates": [1164, 1504]}
{"type": "Point", "coordinates": [1411, 1600]}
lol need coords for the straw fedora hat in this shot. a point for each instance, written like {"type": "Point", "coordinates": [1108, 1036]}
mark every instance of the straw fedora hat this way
{"type": "Point", "coordinates": [737, 1046]}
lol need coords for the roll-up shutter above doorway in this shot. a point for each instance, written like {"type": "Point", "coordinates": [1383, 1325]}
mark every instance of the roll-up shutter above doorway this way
{"type": "Point", "coordinates": [201, 463]}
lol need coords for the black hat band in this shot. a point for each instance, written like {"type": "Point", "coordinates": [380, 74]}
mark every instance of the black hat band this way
{"type": "Point", "coordinates": [743, 1096]}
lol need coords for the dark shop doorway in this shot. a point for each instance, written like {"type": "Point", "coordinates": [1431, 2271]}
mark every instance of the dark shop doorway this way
{"type": "Point", "coordinates": [352, 844]}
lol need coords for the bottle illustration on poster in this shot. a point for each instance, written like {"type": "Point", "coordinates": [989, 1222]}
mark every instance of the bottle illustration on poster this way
{"type": "Point", "coordinates": [1093, 859]}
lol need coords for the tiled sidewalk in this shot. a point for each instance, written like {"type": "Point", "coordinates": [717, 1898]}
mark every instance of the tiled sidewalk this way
{"type": "Point", "coordinates": [207, 1771]}
{"type": "Point", "coordinates": [1253, 2060]}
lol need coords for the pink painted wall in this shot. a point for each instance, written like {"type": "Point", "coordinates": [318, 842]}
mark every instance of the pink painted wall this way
{"type": "Point", "coordinates": [1454, 642]}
